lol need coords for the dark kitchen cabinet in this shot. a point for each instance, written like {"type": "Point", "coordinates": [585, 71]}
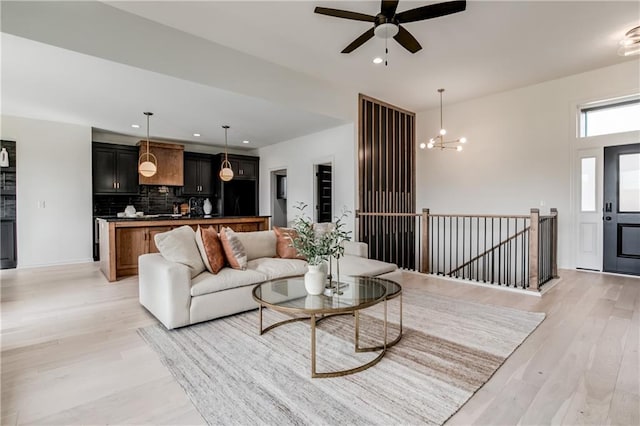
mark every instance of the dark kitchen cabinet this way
{"type": "Point", "coordinates": [115, 169]}
{"type": "Point", "coordinates": [8, 258]}
{"type": "Point", "coordinates": [198, 174]}
{"type": "Point", "coordinates": [244, 166]}
{"type": "Point", "coordinates": [8, 191]}
{"type": "Point", "coordinates": [239, 196]}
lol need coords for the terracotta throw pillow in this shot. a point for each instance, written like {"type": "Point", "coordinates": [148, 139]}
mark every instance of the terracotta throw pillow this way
{"type": "Point", "coordinates": [233, 249]}
{"type": "Point", "coordinates": [284, 247]}
{"type": "Point", "coordinates": [210, 249]}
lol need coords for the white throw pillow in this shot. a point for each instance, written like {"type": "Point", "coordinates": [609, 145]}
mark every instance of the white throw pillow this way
{"type": "Point", "coordinates": [179, 245]}
{"type": "Point", "coordinates": [258, 244]}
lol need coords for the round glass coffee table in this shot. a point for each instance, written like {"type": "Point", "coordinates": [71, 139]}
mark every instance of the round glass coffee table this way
{"type": "Point", "coordinates": [289, 296]}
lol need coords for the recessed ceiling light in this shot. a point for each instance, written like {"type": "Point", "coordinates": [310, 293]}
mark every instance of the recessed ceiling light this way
{"type": "Point", "coordinates": [135, 126]}
{"type": "Point", "coordinates": [197, 135]}
{"type": "Point", "coordinates": [377, 60]}
{"type": "Point", "coordinates": [245, 141]}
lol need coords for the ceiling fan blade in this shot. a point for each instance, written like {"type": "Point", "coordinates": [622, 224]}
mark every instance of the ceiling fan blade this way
{"type": "Point", "coordinates": [431, 11]}
{"type": "Point", "coordinates": [407, 41]}
{"type": "Point", "coordinates": [359, 41]}
{"type": "Point", "coordinates": [388, 8]}
{"type": "Point", "coordinates": [344, 14]}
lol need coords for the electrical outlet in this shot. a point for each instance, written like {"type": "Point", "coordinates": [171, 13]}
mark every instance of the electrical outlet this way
{"type": "Point", "coordinates": [41, 204]}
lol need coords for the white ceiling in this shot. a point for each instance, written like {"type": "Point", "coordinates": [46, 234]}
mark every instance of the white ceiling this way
{"type": "Point", "coordinates": [294, 55]}
{"type": "Point", "coordinates": [46, 82]}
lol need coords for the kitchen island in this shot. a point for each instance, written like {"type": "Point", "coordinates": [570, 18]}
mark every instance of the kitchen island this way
{"type": "Point", "coordinates": [122, 240]}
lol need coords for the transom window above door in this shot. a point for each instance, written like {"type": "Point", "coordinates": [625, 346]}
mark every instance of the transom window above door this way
{"type": "Point", "coordinates": [608, 117]}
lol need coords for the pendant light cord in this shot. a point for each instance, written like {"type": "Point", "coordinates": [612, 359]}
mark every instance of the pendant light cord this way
{"type": "Point", "coordinates": [441, 90]}
{"type": "Point", "coordinates": [147, 137]}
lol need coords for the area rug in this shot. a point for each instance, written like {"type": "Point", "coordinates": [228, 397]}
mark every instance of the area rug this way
{"type": "Point", "coordinates": [449, 349]}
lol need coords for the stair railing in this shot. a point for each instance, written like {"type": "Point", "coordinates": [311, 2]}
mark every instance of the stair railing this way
{"type": "Point", "coordinates": [507, 250]}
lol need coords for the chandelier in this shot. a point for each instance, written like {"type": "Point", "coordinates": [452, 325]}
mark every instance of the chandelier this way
{"type": "Point", "coordinates": [147, 163]}
{"type": "Point", "coordinates": [439, 142]}
{"type": "Point", "coordinates": [226, 173]}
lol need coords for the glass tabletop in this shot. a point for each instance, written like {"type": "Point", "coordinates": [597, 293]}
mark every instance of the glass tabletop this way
{"type": "Point", "coordinates": [289, 294]}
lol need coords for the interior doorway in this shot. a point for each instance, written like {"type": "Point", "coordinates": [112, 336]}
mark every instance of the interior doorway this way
{"type": "Point", "coordinates": [279, 198]}
{"type": "Point", "coordinates": [621, 213]}
{"type": "Point", "coordinates": [324, 195]}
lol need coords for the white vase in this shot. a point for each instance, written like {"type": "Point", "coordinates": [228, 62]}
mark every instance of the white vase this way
{"type": "Point", "coordinates": [130, 211]}
{"type": "Point", "coordinates": [4, 158]}
{"type": "Point", "coordinates": [206, 206]}
{"type": "Point", "coordinates": [314, 280]}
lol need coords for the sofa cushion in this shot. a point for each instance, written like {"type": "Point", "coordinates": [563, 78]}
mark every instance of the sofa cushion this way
{"type": "Point", "coordinates": [210, 248]}
{"type": "Point", "coordinates": [273, 267]}
{"type": "Point", "coordinates": [356, 265]}
{"type": "Point", "coordinates": [179, 245]}
{"type": "Point", "coordinates": [258, 243]}
{"type": "Point", "coordinates": [284, 248]}
{"type": "Point", "coordinates": [233, 249]}
{"type": "Point", "coordinates": [227, 278]}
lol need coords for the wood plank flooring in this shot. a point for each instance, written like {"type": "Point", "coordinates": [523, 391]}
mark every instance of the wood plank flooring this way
{"type": "Point", "coordinates": [71, 355]}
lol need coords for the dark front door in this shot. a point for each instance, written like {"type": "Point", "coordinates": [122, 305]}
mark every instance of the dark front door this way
{"type": "Point", "coordinates": [323, 178]}
{"type": "Point", "coordinates": [622, 209]}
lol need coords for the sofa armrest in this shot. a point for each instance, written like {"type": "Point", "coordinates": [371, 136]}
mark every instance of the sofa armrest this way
{"type": "Point", "coordinates": [165, 289]}
{"type": "Point", "coordinates": [355, 248]}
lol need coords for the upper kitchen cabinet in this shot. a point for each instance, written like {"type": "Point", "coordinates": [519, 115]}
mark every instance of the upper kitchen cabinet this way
{"type": "Point", "coordinates": [115, 169]}
{"type": "Point", "coordinates": [198, 174]}
{"type": "Point", "coordinates": [170, 158]}
{"type": "Point", "coordinates": [243, 166]}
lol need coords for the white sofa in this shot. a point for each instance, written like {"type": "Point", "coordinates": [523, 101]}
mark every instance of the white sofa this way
{"type": "Point", "coordinates": [176, 300]}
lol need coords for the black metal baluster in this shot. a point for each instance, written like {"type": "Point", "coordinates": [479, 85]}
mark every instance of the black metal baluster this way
{"type": "Point", "coordinates": [493, 261]}
{"type": "Point", "coordinates": [457, 246]}
{"type": "Point", "coordinates": [438, 244]}
{"type": "Point", "coordinates": [431, 244]}
{"type": "Point", "coordinates": [450, 245]}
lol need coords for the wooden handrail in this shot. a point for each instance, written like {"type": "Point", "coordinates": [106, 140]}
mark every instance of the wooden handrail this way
{"type": "Point", "coordinates": [388, 214]}
{"type": "Point", "coordinates": [513, 216]}
{"type": "Point", "coordinates": [497, 246]}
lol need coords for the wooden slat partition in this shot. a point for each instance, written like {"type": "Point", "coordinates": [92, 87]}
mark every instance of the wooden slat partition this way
{"type": "Point", "coordinates": [386, 157]}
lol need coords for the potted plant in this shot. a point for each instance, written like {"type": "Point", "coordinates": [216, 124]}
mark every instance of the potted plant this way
{"type": "Point", "coordinates": [317, 246]}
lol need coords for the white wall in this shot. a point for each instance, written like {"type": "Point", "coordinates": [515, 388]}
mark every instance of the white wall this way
{"type": "Point", "coordinates": [520, 150]}
{"type": "Point", "coordinates": [54, 167]}
{"type": "Point", "coordinates": [298, 156]}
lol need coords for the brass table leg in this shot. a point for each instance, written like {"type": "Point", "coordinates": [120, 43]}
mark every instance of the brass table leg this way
{"type": "Point", "coordinates": [386, 344]}
{"type": "Point", "coordinates": [313, 345]}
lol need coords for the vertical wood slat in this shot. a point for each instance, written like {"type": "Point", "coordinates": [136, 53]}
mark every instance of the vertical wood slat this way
{"type": "Point", "coordinates": [387, 180]}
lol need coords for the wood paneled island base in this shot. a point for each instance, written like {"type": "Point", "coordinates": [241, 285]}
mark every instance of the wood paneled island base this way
{"type": "Point", "coordinates": [123, 240]}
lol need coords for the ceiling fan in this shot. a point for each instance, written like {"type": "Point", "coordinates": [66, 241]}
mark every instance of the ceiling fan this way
{"type": "Point", "coordinates": [386, 24]}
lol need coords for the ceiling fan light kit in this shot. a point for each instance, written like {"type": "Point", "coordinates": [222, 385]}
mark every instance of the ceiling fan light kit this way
{"type": "Point", "coordinates": [630, 44]}
{"type": "Point", "coordinates": [388, 24]}
{"type": "Point", "coordinates": [147, 163]}
{"type": "Point", "coordinates": [438, 142]}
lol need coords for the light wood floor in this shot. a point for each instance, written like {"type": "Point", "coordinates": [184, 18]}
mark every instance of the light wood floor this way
{"type": "Point", "coordinates": [71, 355]}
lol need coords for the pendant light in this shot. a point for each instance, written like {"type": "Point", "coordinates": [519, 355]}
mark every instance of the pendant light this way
{"type": "Point", "coordinates": [147, 163]}
{"type": "Point", "coordinates": [438, 142]}
{"type": "Point", "coordinates": [226, 173]}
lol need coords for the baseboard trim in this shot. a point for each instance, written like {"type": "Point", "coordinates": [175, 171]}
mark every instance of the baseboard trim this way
{"type": "Point", "coordinates": [489, 286]}
{"type": "Point", "coordinates": [64, 263]}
